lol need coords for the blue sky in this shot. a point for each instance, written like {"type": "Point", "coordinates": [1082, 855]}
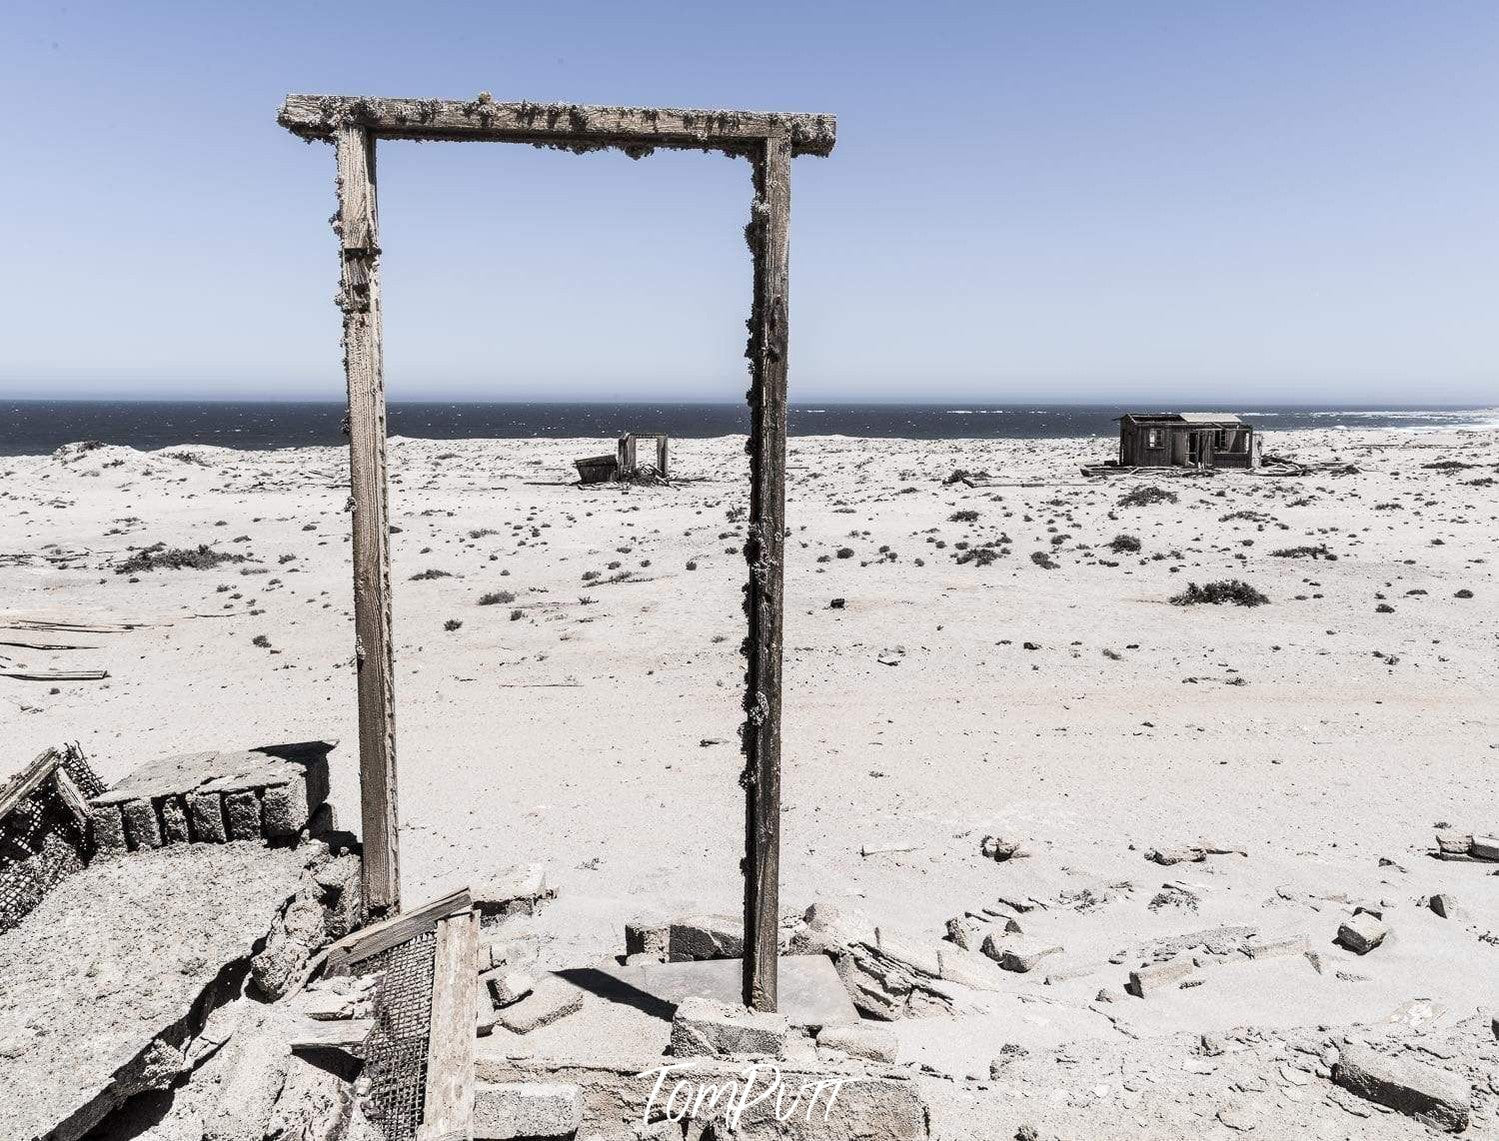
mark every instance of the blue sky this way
{"type": "Point", "coordinates": [1227, 202]}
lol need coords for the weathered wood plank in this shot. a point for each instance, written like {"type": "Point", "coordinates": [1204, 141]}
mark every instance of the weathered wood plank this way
{"type": "Point", "coordinates": [27, 781]}
{"type": "Point", "coordinates": [71, 798]}
{"type": "Point", "coordinates": [764, 551]}
{"type": "Point", "coordinates": [635, 130]}
{"type": "Point", "coordinates": [360, 945]}
{"type": "Point", "coordinates": [359, 298]}
{"type": "Point", "coordinates": [339, 1034]}
{"type": "Point", "coordinates": [448, 1111]}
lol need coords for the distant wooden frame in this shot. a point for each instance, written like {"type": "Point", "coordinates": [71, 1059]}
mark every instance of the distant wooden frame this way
{"type": "Point", "coordinates": [769, 140]}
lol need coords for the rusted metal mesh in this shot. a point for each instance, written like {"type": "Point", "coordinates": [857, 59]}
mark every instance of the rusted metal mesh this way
{"type": "Point", "coordinates": [41, 843]}
{"type": "Point", "coordinates": [395, 1054]}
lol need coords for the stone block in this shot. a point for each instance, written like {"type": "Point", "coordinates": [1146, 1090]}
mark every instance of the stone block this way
{"type": "Point", "coordinates": [508, 1110]}
{"type": "Point", "coordinates": [1454, 843]}
{"type": "Point", "coordinates": [284, 810]}
{"type": "Point", "coordinates": [1018, 953]}
{"type": "Point", "coordinates": [1485, 848]}
{"type": "Point", "coordinates": [705, 937]}
{"type": "Point", "coordinates": [507, 986]}
{"type": "Point", "coordinates": [108, 825]}
{"type": "Point", "coordinates": [1432, 1096]}
{"type": "Point", "coordinates": [173, 812]}
{"type": "Point", "coordinates": [862, 1040]}
{"type": "Point", "coordinates": [704, 1027]}
{"type": "Point", "coordinates": [644, 938]}
{"type": "Point", "coordinates": [1274, 946]}
{"type": "Point", "coordinates": [242, 813]}
{"type": "Point", "coordinates": [1159, 976]}
{"type": "Point", "coordinates": [550, 999]}
{"type": "Point", "coordinates": [1444, 905]}
{"type": "Point", "coordinates": [142, 828]}
{"type": "Point", "coordinates": [205, 813]}
{"type": "Point", "coordinates": [1362, 933]}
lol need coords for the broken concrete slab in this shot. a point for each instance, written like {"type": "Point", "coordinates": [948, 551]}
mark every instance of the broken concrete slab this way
{"type": "Point", "coordinates": [1160, 976]}
{"type": "Point", "coordinates": [810, 990]}
{"type": "Point", "coordinates": [211, 797]}
{"type": "Point", "coordinates": [1435, 1097]}
{"type": "Point", "coordinates": [873, 1103]}
{"type": "Point", "coordinates": [700, 937]}
{"type": "Point", "coordinates": [519, 890]}
{"type": "Point", "coordinates": [1019, 953]}
{"type": "Point", "coordinates": [551, 998]}
{"type": "Point", "coordinates": [704, 1027]}
{"type": "Point", "coordinates": [1362, 932]}
{"type": "Point", "coordinates": [507, 1110]}
{"type": "Point", "coordinates": [865, 1040]}
{"type": "Point", "coordinates": [109, 976]}
{"type": "Point", "coordinates": [644, 937]}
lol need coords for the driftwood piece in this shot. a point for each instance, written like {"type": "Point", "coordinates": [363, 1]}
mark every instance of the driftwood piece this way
{"type": "Point", "coordinates": [28, 780]}
{"type": "Point", "coordinates": [377, 937]}
{"type": "Point", "coordinates": [449, 1107]}
{"type": "Point", "coordinates": [55, 675]}
{"type": "Point", "coordinates": [768, 235]}
{"type": "Point", "coordinates": [636, 130]}
{"type": "Point", "coordinates": [359, 298]}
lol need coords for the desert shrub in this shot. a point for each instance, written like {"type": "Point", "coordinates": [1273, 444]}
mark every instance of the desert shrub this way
{"type": "Point", "coordinates": [496, 597]}
{"type": "Point", "coordinates": [1320, 551]}
{"type": "Point", "coordinates": [966, 515]}
{"type": "Point", "coordinates": [1124, 544]}
{"type": "Point", "coordinates": [1044, 560]}
{"type": "Point", "coordinates": [159, 557]}
{"type": "Point", "coordinates": [1232, 590]}
{"type": "Point", "coordinates": [1145, 495]}
{"type": "Point", "coordinates": [430, 573]}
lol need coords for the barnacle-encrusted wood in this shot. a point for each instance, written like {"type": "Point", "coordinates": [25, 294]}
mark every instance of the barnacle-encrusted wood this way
{"type": "Point", "coordinates": [769, 140]}
{"type": "Point", "coordinates": [566, 125]}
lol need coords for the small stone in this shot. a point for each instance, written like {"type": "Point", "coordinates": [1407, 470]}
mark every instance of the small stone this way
{"type": "Point", "coordinates": [702, 1026]}
{"type": "Point", "coordinates": [1435, 1097]}
{"type": "Point", "coordinates": [550, 999]}
{"type": "Point", "coordinates": [1159, 976]}
{"type": "Point", "coordinates": [1106, 994]}
{"type": "Point", "coordinates": [1444, 905]}
{"type": "Point", "coordinates": [860, 1040]}
{"type": "Point", "coordinates": [1362, 933]}
{"type": "Point", "coordinates": [506, 1110]}
{"type": "Point", "coordinates": [999, 847]}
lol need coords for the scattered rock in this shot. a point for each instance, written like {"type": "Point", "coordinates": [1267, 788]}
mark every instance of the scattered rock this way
{"type": "Point", "coordinates": [1018, 953]}
{"type": "Point", "coordinates": [1147, 980]}
{"type": "Point", "coordinates": [1444, 905]}
{"type": "Point", "coordinates": [1362, 933]}
{"type": "Point", "coordinates": [1430, 1095]}
{"type": "Point", "coordinates": [1485, 848]}
{"type": "Point", "coordinates": [999, 848]}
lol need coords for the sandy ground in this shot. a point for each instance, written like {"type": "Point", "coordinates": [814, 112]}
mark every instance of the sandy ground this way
{"type": "Point", "coordinates": [589, 721]}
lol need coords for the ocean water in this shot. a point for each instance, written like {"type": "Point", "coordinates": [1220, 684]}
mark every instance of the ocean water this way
{"type": "Point", "coordinates": [31, 427]}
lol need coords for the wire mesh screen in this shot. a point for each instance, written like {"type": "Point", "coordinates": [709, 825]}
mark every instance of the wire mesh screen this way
{"type": "Point", "coordinates": [395, 1054]}
{"type": "Point", "coordinates": [40, 842]}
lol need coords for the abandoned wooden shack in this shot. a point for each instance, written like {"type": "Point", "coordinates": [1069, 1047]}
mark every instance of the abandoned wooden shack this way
{"type": "Point", "coordinates": [1187, 439]}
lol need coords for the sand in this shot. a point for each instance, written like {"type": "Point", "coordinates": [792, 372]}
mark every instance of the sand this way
{"type": "Point", "coordinates": [589, 722]}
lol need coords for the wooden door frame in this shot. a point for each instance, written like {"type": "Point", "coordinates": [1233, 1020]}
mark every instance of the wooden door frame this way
{"type": "Point", "coordinates": [354, 124]}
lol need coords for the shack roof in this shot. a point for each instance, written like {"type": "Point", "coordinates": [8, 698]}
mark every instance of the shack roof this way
{"type": "Point", "coordinates": [1215, 419]}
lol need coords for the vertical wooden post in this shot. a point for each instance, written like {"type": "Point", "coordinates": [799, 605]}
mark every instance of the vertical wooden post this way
{"type": "Point", "coordinates": [359, 298]}
{"type": "Point", "coordinates": [768, 236]}
{"type": "Point", "coordinates": [661, 446]}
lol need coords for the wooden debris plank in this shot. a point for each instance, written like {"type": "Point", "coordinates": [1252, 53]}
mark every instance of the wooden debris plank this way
{"type": "Point", "coordinates": [55, 675]}
{"type": "Point", "coordinates": [359, 298]}
{"type": "Point", "coordinates": [448, 1111]}
{"type": "Point", "coordinates": [557, 124]}
{"type": "Point", "coordinates": [27, 781]}
{"type": "Point", "coordinates": [391, 932]}
{"type": "Point", "coordinates": [23, 645]}
{"type": "Point", "coordinates": [764, 552]}
{"type": "Point", "coordinates": [72, 799]}
{"type": "Point", "coordinates": [341, 1034]}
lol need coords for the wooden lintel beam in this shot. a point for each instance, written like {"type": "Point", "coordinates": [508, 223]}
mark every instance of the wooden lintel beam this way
{"type": "Point", "coordinates": [563, 125]}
